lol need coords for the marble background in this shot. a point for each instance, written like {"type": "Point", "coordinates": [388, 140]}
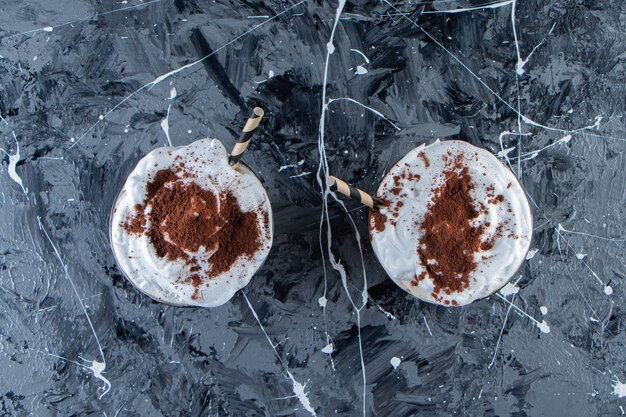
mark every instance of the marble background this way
{"type": "Point", "coordinates": [87, 88]}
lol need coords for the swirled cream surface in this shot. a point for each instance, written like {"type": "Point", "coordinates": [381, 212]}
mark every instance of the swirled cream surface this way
{"type": "Point", "coordinates": [187, 228]}
{"type": "Point", "coordinates": [454, 224]}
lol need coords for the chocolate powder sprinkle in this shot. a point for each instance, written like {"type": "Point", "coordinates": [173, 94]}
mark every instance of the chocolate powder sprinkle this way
{"type": "Point", "coordinates": [376, 218]}
{"type": "Point", "coordinates": [448, 238]}
{"type": "Point", "coordinates": [184, 217]}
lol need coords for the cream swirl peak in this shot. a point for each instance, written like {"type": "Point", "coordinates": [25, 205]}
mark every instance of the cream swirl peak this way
{"type": "Point", "coordinates": [454, 224]}
{"type": "Point", "coordinates": [188, 229]}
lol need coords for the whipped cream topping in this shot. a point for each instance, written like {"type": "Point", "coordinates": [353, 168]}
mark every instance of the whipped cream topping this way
{"type": "Point", "coordinates": [504, 217]}
{"type": "Point", "coordinates": [168, 280]}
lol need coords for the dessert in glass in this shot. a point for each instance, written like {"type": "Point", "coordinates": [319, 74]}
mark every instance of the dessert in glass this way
{"type": "Point", "coordinates": [452, 224]}
{"type": "Point", "coordinates": [188, 228]}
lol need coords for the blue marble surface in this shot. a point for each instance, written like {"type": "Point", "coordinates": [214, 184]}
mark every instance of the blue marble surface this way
{"type": "Point", "coordinates": [85, 90]}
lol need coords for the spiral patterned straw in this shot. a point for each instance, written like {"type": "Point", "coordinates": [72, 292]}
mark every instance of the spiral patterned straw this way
{"type": "Point", "coordinates": [246, 135]}
{"type": "Point", "coordinates": [335, 184]}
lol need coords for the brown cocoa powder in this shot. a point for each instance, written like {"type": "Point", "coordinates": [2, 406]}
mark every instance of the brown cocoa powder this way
{"type": "Point", "coordinates": [196, 281]}
{"type": "Point", "coordinates": [449, 240]}
{"type": "Point", "coordinates": [376, 218]}
{"type": "Point", "coordinates": [136, 224]}
{"type": "Point", "coordinates": [418, 278]}
{"type": "Point", "coordinates": [185, 217]}
{"type": "Point", "coordinates": [424, 158]}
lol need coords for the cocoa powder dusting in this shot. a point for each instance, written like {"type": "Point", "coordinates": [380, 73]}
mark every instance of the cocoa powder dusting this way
{"type": "Point", "coordinates": [161, 178]}
{"type": "Point", "coordinates": [239, 236]}
{"type": "Point", "coordinates": [196, 281]}
{"type": "Point", "coordinates": [488, 244]}
{"type": "Point", "coordinates": [449, 241]}
{"type": "Point", "coordinates": [184, 217]}
{"type": "Point", "coordinates": [376, 218]}
{"type": "Point", "coordinates": [135, 224]}
{"type": "Point", "coordinates": [418, 278]}
{"type": "Point", "coordinates": [424, 158]}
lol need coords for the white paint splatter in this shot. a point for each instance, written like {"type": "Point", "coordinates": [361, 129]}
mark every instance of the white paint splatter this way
{"type": "Point", "coordinates": [96, 367]}
{"type": "Point", "coordinates": [527, 156]}
{"type": "Point", "coordinates": [595, 125]}
{"type": "Point", "coordinates": [322, 301]}
{"type": "Point", "coordinates": [531, 253]}
{"type": "Point", "coordinates": [328, 349]}
{"type": "Point", "coordinates": [360, 69]}
{"type": "Point", "coordinates": [544, 310]}
{"type": "Point", "coordinates": [561, 229]}
{"type": "Point", "coordinates": [495, 5]}
{"type": "Point", "coordinates": [505, 152]}
{"type": "Point", "coordinates": [495, 350]}
{"type": "Point", "coordinates": [165, 76]}
{"type": "Point", "coordinates": [619, 388]}
{"type": "Point", "coordinates": [298, 388]}
{"type": "Point", "coordinates": [351, 100]}
{"type": "Point", "coordinates": [395, 362]}
{"type": "Point", "coordinates": [71, 22]}
{"type": "Point", "coordinates": [608, 290]}
{"type": "Point", "coordinates": [165, 125]}
{"type": "Point", "coordinates": [270, 74]}
{"type": "Point", "coordinates": [386, 313]}
{"type": "Point", "coordinates": [519, 114]}
{"type": "Point", "coordinates": [35, 58]}
{"type": "Point", "coordinates": [323, 172]}
{"type": "Point", "coordinates": [13, 160]}
{"type": "Point", "coordinates": [580, 255]}
{"type": "Point", "coordinates": [367, 60]}
{"type": "Point", "coordinates": [481, 81]}
{"type": "Point", "coordinates": [543, 326]}
{"type": "Point", "coordinates": [509, 289]}
{"type": "Point", "coordinates": [284, 167]}
{"type": "Point", "coordinates": [173, 93]}
{"type": "Point", "coordinates": [427, 326]}
{"type": "Point", "coordinates": [300, 175]}
{"type": "Point", "coordinates": [519, 67]}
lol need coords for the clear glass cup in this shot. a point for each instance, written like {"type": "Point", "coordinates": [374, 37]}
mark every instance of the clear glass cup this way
{"type": "Point", "coordinates": [166, 295]}
{"type": "Point", "coordinates": [394, 248]}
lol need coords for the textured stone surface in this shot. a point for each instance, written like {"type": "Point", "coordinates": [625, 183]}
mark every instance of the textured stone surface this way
{"type": "Point", "coordinates": [85, 88]}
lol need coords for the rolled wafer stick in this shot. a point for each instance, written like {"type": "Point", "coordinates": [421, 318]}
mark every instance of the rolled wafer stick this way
{"type": "Point", "coordinates": [335, 184]}
{"type": "Point", "coordinates": [246, 135]}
